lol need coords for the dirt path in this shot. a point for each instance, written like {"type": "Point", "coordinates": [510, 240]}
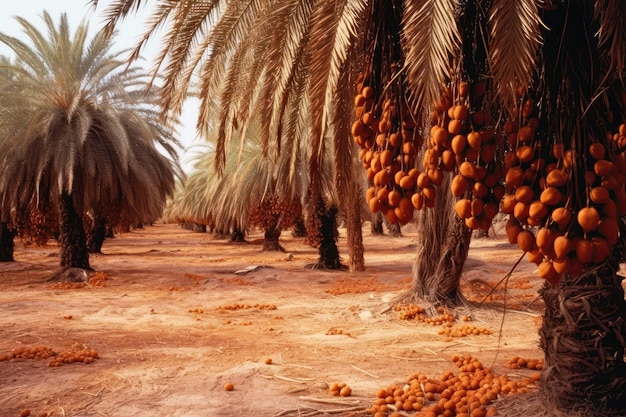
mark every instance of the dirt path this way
{"type": "Point", "coordinates": [172, 323]}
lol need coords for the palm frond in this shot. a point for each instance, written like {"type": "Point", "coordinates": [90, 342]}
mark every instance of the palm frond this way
{"type": "Point", "coordinates": [515, 38]}
{"type": "Point", "coordinates": [430, 38]}
{"type": "Point", "coordinates": [333, 30]}
{"type": "Point", "coordinates": [612, 33]}
{"type": "Point", "coordinates": [184, 47]}
{"type": "Point", "coordinates": [290, 25]}
{"type": "Point", "coordinates": [117, 11]}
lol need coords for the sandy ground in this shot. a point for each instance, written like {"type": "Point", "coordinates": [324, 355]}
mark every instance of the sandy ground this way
{"type": "Point", "coordinates": [172, 323]}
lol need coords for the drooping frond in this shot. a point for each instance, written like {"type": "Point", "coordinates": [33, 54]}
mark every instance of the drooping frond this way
{"type": "Point", "coordinates": [334, 26]}
{"type": "Point", "coordinates": [430, 38]}
{"type": "Point", "coordinates": [515, 38]}
{"type": "Point", "coordinates": [247, 61]}
{"type": "Point", "coordinates": [225, 198]}
{"type": "Point", "coordinates": [288, 27]}
{"type": "Point", "coordinates": [612, 34]}
{"type": "Point", "coordinates": [233, 27]}
{"type": "Point", "coordinates": [117, 11]}
{"type": "Point", "coordinates": [185, 44]}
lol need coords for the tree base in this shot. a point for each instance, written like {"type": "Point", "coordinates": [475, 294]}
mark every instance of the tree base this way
{"type": "Point", "coordinates": [272, 246]}
{"type": "Point", "coordinates": [376, 228]}
{"type": "Point", "coordinates": [271, 242]}
{"type": "Point", "coordinates": [320, 265]}
{"type": "Point", "coordinates": [237, 236]}
{"type": "Point", "coordinates": [582, 336]}
{"type": "Point", "coordinates": [70, 274]}
{"type": "Point", "coordinates": [6, 243]}
{"type": "Point", "coordinates": [6, 254]}
{"type": "Point", "coordinates": [535, 404]}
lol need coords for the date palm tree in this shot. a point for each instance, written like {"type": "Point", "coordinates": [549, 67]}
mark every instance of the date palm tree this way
{"type": "Point", "coordinates": [79, 134]}
{"type": "Point", "coordinates": [555, 70]}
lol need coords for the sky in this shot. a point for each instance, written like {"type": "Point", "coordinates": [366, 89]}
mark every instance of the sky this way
{"type": "Point", "coordinates": [128, 36]}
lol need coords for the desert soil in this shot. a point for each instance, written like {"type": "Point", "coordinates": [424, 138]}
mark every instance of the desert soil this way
{"type": "Point", "coordinates": [172, 322]}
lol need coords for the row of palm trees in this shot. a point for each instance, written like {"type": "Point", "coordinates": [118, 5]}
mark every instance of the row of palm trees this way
{"type": "Point", "coordinates": [101, 163]}
{"type": "Point", "coordinates": [294, 64]}
{"type": "Point", "coordinates": [256, 188]}
{"type": "Point", "coordinates": [238, 198]}
{"type": "Point", "coordinates": [80, 137]}
{"type": "Point", "coordinates": [81, 140]}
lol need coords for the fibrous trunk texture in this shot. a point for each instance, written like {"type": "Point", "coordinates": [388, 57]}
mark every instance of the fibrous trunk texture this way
{"type": "Point", "coordinates": [299, 227]}
{"type": "Point", "coordinates": [96, 235]}
{"type": "Point", "coordinates": [377, 225]}
{"type": "Point", "coordinates": [354, 230]}
{"type": "Point", "coordinates": [329, 253]}
{"type": "Point", "coordinates": [237, 235]}
{"type": "Point", "coordinates": [442, 248]}
{"type": "Point", "coordinates": [6, 243]}
{"type": "Point", "coordinates": [271, 241]}
{"type": "Point", "coordinates": [72, 236]}
{"type": "Point", "coordinates": [583, 337]}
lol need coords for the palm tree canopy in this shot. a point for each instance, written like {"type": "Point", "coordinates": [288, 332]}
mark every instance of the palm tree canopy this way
{"type": "Point", "coordinates": [75, 120]}
{"type": "Point", "coordinates": [277, 55]}
{"type": "Point", "coordinates": [257, 58]}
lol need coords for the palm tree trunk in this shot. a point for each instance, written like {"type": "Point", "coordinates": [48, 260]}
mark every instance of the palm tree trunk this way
{"type": "Point", "coordinates": [443, 245]}
{"type": "Point", "coordinates": [299, 227]}
{"type": "Point", "coordinates": [6, 243]}
{"type": "Point", "coordinates": [584, 327]}
{"type": "Point", "coordinates": [583, 337]}
{"type": "Point", "coordinates": [394, 229]}
{"type": "Point", "coordinates": [96, 235]}
{"type": "Point", "coordinates": [271, 241]}
{"type": "Point", "coordinates": [329, 253]}
{"type": "Point", "coordinates": [237, 235]}
{"type": "Point", "coordinates": [354, 229]}
{"type": "Point", "coordinates": [377, 224]}
{"type": "Point", "coordinates": [322, 231]}
{"type": "Point", "coordinates": [72, 235]}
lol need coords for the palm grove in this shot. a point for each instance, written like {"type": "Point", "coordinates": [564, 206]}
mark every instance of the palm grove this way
{"type": "Point", "coordinates": [473, 108]}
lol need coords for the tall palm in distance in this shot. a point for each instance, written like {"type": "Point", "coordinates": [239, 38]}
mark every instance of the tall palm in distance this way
{"type": "Point", "coordinates": [79, 134]}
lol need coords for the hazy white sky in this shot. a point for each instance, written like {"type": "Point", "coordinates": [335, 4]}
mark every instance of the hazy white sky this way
{"type": "Point", "coordinates": [77, 10]}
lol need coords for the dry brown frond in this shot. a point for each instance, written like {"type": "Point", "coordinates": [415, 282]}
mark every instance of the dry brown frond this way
{"type": "Point", "coordinates": [431, 38]}
{"type": "Point", "coordinates": [612, 33]}
{"type": "Point", "coordinates": [515, 37]}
